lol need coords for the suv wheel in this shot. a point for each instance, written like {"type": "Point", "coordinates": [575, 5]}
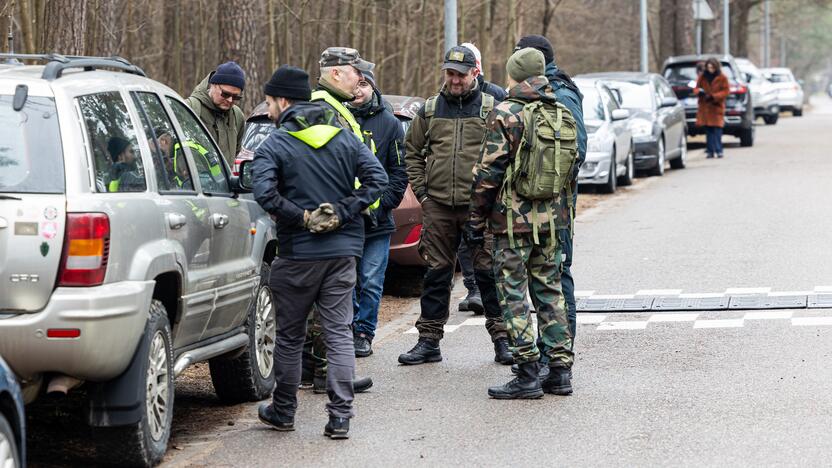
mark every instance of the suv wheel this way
{"type": "Point", "coordinates": [629, 171]}
{"type": "Point", "coordinates": [250, 376]}
{"type": "Point", "coordinates": [771, 119]}
{"type": "Point", "coordinates": [660, 159]}
{"type": "Point", "coordinates": [682, 160]}
{"type": "Point", "coordinates": [747, 137]}
{"type": "Point", "coordinates": [797, 112]}
{"type": "Point", "coordinates": [8, 447]}
{"type": "Point", "coordinates": [145, 442]}
{"type": "Point", "coordinates": [609, 185]}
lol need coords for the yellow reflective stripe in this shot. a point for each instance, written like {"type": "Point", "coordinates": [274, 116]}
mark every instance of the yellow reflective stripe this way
{"type": "Point", "coordinates": [114, 184]}
{"type": "Point", "coordinates": [322, 95]}
{"type": "Point", "coordinates": [215, 169]}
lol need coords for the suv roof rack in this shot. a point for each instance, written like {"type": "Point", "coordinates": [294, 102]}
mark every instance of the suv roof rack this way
{"type": "Point", "coordinates": [56, 63]}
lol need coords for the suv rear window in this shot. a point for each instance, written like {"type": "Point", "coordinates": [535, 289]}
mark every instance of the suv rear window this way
{"type": "Point", "coordinates": [683, 73]}
{"type": "Point", "coordinates": [31, 157]}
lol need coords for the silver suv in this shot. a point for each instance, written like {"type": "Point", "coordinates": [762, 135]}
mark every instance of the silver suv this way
{"type": "Point", "coordinates": [126, 250]}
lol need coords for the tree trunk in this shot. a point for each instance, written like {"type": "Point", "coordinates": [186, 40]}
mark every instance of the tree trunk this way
{"type": "Point", "coordinates": [240, 41]}
{"type": "Point", "coordinates": [27, 27]}
{"type": "Point", "coordinates": [65, 23]}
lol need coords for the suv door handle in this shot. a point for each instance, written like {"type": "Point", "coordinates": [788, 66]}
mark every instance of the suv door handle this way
{"type": "Point", "coordinates": [220, 220]}
{"type": "Point", "coordinates": [176, 220]}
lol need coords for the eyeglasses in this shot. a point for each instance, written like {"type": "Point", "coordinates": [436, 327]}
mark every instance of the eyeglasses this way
{"type": "Point", "coordinates": [364, 84]}
{"type": "Point", "coordinates": [234, 97]}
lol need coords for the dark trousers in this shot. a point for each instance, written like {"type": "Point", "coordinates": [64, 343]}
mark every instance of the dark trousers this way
{"type": "Point", "coordinates": [466, 263]}
{"type": "Point", "coordinates": [713, 140]}
{"type": "Point", "coordinates": [441, 235]}
{"type": "Point", "coordinates": [296, 287]}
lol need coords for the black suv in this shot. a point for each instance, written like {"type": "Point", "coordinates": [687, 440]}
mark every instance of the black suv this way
{"type": "Point", "coordinates": [739, 111]}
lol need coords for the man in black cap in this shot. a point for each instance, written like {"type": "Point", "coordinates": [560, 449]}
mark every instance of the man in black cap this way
{"type": "Point", "coordinates": [568, 94]}
{"type": "Point", "coordinates": [442, 146]}
{"type": "Point", "coordinates": [215, 102]}
{"type": "Point", "coordinates": [304, 175]}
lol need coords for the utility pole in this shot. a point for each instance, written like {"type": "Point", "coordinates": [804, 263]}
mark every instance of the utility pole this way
{"type": "Point", "coordinates": [450, 24]}
{"type": "Point", "coordinates": [644, 43]}
{"type": "Point", "coordinates": [701, 12]}
{"type": "Point", "coordinates": [726, 28]}
{"type": "Point", "coordinates": [766, 34]}
{"type": "Point", "coordinates": [783, 52]}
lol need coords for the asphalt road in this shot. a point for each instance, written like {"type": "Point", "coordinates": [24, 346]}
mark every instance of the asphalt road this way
{"type": "Point", "coordinates": [732, 388]}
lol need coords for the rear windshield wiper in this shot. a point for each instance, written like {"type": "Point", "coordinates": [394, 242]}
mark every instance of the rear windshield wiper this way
{"type": "Point", "coordinates": [8, 197]}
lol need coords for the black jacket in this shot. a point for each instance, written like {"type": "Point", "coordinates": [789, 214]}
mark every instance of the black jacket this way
{"type": "Point", "coordinates": [319, 164]}
{"type": "Point", "coordinates": [388, 135]}
{"type": "Point", "coordinates": [488, 87]}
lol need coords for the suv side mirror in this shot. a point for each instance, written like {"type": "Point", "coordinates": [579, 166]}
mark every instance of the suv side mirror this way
{"type": "Point", "coordinates": [620, 114]}
{"type": "Point", "coordinates": [669, 102]}
{"type": "Point", "coordinates": [243, 182]}
{"type": "Point", "coordinates": [748, 77]}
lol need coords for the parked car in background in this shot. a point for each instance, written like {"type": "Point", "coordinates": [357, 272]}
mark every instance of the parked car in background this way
{"type": "Point", "coordinates": [121, 274]}
{"type": "Point", "coordinates": [680, 72]}
{"type": "Point", "coordinates": [609, 150]}
{"type": "Point", "coordinates": [258, 127]}
{"type": "Point", "coordinates": [657, 118]}
{"type": "Point", "coordinates": [789, 91]}
{"type": "Point", "coordinates": [12, 420]}
{"type": "Point", "coordinates": [763, 92]}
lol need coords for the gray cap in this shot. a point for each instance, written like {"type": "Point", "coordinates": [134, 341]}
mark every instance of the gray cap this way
{"type": "Point", "coordinates": [459, 58]}
{"type": "Point", "coordinates": [335, 56]}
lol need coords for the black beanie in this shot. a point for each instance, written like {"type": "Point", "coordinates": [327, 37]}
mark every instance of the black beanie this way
{"type": "Point", "coordinates": [230, 74]}
{"type": "Point", "coordinates": [289, 82]}
{"type": "Point", "coordinates": [540, 43]}
{"type": "Point", "coordinates": [116, 146]}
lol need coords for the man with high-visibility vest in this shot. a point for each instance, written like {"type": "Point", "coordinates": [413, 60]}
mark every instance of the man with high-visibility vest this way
{"type": "Point", "coordinates": [124, 176]}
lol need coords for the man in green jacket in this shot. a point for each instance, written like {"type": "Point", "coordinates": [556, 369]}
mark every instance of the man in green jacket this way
{"type": "Point", "coordinates": [214, 101]}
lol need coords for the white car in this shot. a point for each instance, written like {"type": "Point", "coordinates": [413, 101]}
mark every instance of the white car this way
{"type": "Point", "coordinates": [763, 92]}
{"type": "Point", "coordinates": [789, 91]}
{"type": "Point", "coordinates": [609, 148]}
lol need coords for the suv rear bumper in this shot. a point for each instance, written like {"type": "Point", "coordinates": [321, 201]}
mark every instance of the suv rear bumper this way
{"type": "Point", "coordinates": [110, 318]}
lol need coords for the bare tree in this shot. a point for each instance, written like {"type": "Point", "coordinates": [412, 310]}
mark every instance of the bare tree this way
{"type": "Point", "coordinates": [67, 23]}
{"type": "Point", "coordinates": [240, 41]}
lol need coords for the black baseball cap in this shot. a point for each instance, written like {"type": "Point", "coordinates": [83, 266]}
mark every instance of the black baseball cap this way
{"type": "Point", "coordinates": [459, 58]}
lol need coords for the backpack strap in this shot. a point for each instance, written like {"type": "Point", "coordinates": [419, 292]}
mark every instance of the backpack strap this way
{"type": "Point", "coordinates": [486, 106]}
{"type": "Point", "coordinates": [430, 109]}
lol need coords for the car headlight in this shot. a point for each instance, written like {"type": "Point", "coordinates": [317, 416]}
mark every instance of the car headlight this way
{"type": "Point", "coordinates": [596, 144]}
{"type": "Point", "coordinates": [641, 128]}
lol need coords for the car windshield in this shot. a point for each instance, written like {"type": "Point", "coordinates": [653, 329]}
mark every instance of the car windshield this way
{"type": "Point", "coordinates": [256, 133]}
{"type": "Point", "coordinates": [780, 78]}
{"type": "Point", "coordinates": [686, 72]}
{"type": "Point", "coordinates": [634, 95]}
{"type": "Point", "coordinates": [31, 158]}
{"type": "Point", "coordinates": [592, 104]}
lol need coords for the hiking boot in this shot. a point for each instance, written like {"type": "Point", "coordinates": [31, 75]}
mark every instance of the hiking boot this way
{"type": "Point", "coordinates": [363, 345]}
{"type": "Point", "coordinates": [559, 381]}
{"type": "Point", "coordinates": [359, 385]}
{"type": "Point", "coordinates": [501, 352]}
{"type": "Point", "coordinates": [525, 386]}
{"type": "Point", "coordinates": [269, 416]}
{"type": "Point", "coordinates": [542, 373]}
{"type": "Point", "coordinates": [337, 428]}
{"type": "Point", "coordinates": [426, 350]}
{"type": "Point", "coordinates": [472, 303]}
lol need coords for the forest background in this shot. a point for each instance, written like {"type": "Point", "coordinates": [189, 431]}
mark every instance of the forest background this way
{"type": "Point", "coordinates": [178, 42]}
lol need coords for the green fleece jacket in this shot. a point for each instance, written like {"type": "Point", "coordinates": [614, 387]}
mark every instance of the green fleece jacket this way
{"type": "Point", "coordinates": [225, 126]}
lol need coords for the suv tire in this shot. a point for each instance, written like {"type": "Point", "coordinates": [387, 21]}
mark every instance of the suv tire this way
{"type": "Point", "coordinates": [747, 137]}
{"type": "Point", "coordinates": [610, 185]}
{"type": "Point", "coordinates": [797, 112]}
{"type": "Point", "coordinates": [682, 160]}
{"type": "Point", "coordinates": [661, 158]}
{"type": "Point", "coordinates": [8, 445]}
{"type": "Point", "coordinates": [249, 376]}
{"type": "Point", "coordinates": [629, 171]}
{"type": "Point", "coordinates": [771, 119]}
{"type": "Point", "coordinates": [145, 442]}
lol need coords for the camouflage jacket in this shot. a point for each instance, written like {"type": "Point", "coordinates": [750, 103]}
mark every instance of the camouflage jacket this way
{"type": "Point", "coordinates": [504, 131]}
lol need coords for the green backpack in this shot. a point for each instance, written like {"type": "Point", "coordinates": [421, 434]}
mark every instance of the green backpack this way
{"type": "Point", "coordinates": [544, 162]}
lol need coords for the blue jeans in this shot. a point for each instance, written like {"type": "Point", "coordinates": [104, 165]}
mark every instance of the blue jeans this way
{"type": "Point", "coordinates": [367, 294]}
{"type": "Point", "coordinates": [714, 140]}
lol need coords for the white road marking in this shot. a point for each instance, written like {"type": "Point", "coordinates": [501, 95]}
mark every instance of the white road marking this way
{"type": "Point", "coordinates": [447, 328]}
{"type": "Point", "coordinates": [718, 323]}
{"type": "Point", "coordinates": [673, 318]}
{"type": "Point", "coordinates": [768, 315]}
{"type": "Point", "coordinates": [584, 293]}
{"type": "Point", "coordinates": [823, 289]}
{"type": "Point", "coordinates": [747, 290]}
{"type": "Point", "coordinates": [632, 325]}
{"type": "Point", "coordinates": [659, 292]}
{"type": "Point", "coordinates": [790, 293]}
{"type": "Point", "coordinates": [477, 321]}
{"type": "Point", "coordinates": [701, 295]}
{"type": "Point", "coordinates": [811, 321]}
{"type": "Point", "coordinates": [590, 318]}
{"type": "Point", "coordinates": [613, 296]}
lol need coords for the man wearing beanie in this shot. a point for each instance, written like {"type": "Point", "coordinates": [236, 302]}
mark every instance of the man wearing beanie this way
{"type": "Point", "coordinates": [567, 94]}
{"type": "Point", "coordinates": [519, 206]}
{"type": "Point", "coordinates": [442, 147]}
{"type": "Point", "coordinates": [215, 102]}
{"type": "Point", "coordinates": [304, 175]}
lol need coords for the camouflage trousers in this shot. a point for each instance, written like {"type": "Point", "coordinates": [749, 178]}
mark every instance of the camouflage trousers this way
{"type": "Point", "coordinates": [536, 270]}
{"type": "Point", "coordinates": [314, 347]}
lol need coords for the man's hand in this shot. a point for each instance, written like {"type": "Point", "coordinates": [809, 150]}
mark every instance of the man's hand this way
{"type": "Point", "coordinates": [323, 219]}
{"type": "Point", "coordinates": [473, 237]}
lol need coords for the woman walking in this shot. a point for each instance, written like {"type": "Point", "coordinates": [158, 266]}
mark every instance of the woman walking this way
{"type": "Point", "coordinates": [712, 89]}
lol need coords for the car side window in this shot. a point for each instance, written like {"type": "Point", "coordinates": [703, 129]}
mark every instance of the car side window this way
{"type": "Point", "coordinates": [172, 170]}
{"type": "Point", "coordinates": [117, 163]}
{"type": "Point", "coordinates": [206, 156]}
{"type": "Point", "coordinates": [667, 90]}
{"type": "Point", "coordinates": [610, 101]}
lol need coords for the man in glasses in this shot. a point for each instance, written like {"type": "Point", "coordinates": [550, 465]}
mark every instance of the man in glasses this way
{"type": "Point", "coordinates": [215, 102]}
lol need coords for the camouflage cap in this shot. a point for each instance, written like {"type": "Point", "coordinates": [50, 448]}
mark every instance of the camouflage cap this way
{"type": "Point", "coordinates": [459, 58]}
{"type": "Point", "coordinates": [334, 56]}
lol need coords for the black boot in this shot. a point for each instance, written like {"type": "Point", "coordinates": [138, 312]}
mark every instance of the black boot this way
{"type": "Point", "coordinates": [269, 415]}
{"type": "Point", "coordinates": [501, 352]}
{"type": "Point", "coordinates": [525, 386]}
{"type": "Point", "coordinates": [542, 373]}
{"type": "Point", "coordinates": [337, 428]}
{"type": "Point", "coordinates": [359, 384]}
{"type": "Point", "coordinates": [558, 382]}
{"type": "Point", "coordinates": [363, 345]}
{"type": "Point", "coordinates": [426, 350]}
{"type": "Point", "coordinates": [472, 302]}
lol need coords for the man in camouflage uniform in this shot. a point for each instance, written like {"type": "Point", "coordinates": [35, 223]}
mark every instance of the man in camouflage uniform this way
{"type": "Point", "coordinates": [515, 263]}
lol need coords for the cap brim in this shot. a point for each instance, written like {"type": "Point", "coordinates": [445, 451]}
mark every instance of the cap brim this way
{"type": "Point", "coordinates": [363, 65]}
{"type": "Point", "coordinates": [462, 68]}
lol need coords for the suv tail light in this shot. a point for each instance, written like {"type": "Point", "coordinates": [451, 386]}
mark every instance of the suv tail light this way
{"type": "Point", "coordinates": [738, 89]}
{"type": "Point", "coordinates": [86, 249]}
{"type": "Point", "coordinates": [235, 171]}
{"type": "Point", "coordinates": [414, 234]}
